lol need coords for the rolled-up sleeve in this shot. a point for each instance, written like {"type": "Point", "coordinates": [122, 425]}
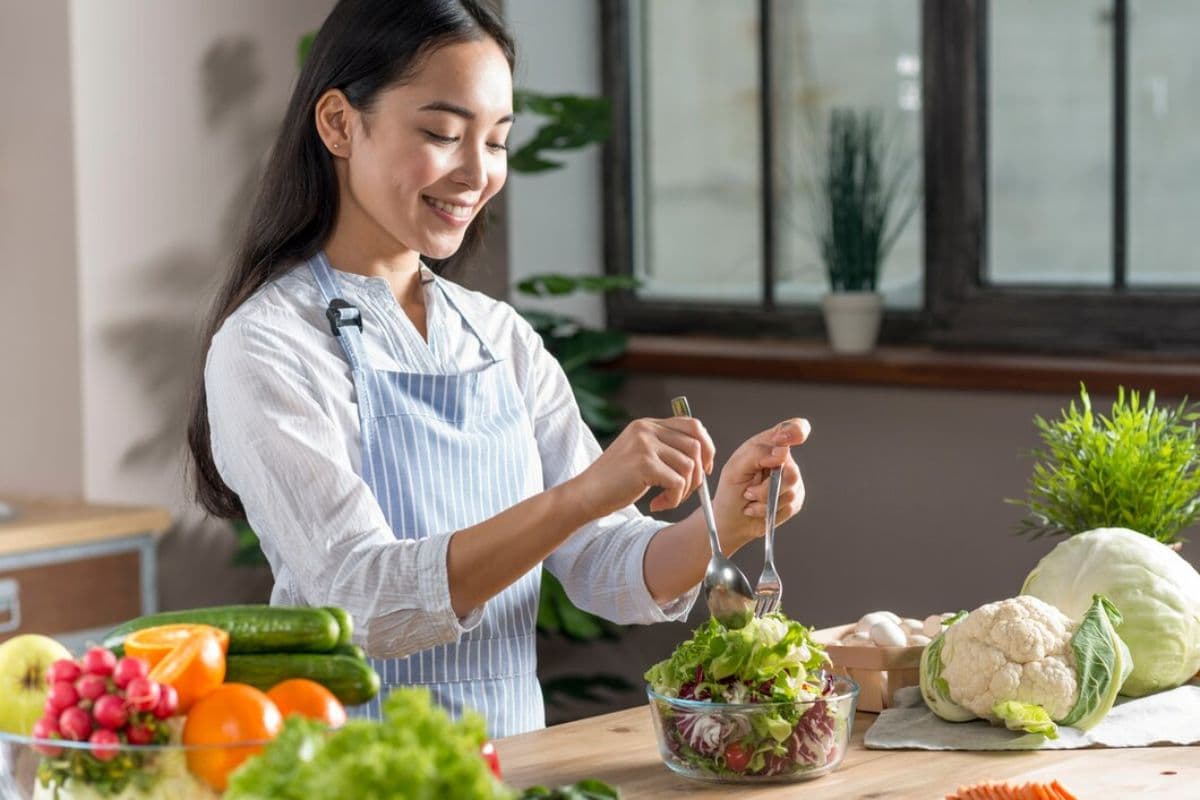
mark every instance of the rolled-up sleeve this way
{"type": "Point", "coordinates": [601, 566]}
{"type": "Point", "coordinates": [320, 525]}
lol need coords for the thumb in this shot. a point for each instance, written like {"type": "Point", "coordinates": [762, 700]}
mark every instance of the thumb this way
{"type": "Point", "coordinates": [788, 433]}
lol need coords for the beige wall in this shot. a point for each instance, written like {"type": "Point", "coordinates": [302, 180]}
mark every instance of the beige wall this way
{"type": "Point", "coordinates": [135, 131]}
{"type": "Point", "coordinates": [175, 105]}
{"type": "Point", "coordinates": [41, 437]}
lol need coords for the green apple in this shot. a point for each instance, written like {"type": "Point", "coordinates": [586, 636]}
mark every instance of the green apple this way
{"type": "Point", "coordinates": [23, 663]}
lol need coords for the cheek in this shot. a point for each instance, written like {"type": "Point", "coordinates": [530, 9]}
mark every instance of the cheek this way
{"type": "Point", "coordinates": [497, 175]}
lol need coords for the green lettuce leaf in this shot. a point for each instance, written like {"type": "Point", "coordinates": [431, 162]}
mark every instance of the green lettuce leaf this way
{"type": "Point", "coordinates": [770, 648]}
{"type": "Point", "coordinates": [416, 751]}
{"type": "Point", "coordinates": [1026, 717]}
{"type": "Point", "coordinates": [934, 688]}
{"type": "Point", "coordinates": [1102, 663]}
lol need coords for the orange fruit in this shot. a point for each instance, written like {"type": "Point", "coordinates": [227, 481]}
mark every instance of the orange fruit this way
{"type": "Point", "coordinates": [152, 644]}
{"type": "Point", "coordinates": [194, 668]}
{"type": "Point", "coordinates": [224, 728]}
{"type": "Point", "coordinates": [308, 699]}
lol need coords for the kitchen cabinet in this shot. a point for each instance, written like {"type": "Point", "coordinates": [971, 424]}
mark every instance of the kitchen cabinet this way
{"type": "Point", "coordinates": [620, 749]}
{"type": "Point", "coordinates": [73, 570]}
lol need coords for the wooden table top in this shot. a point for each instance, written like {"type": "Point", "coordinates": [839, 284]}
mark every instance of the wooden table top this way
{"type": "Point", "coordinates": [41, 524]}
{"type": "Point", "coordinates": [620, 749]}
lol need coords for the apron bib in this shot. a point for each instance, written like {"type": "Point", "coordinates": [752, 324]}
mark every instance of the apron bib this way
{"type": "Point", "coordinates": [442, 453]}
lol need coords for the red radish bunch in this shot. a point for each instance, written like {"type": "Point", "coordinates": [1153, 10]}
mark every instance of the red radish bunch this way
{"type": "Point", "coordinates": [105, 701]}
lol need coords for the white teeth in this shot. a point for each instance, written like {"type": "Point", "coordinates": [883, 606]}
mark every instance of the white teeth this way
{"type": "Point", "coordinates": [462, 212]}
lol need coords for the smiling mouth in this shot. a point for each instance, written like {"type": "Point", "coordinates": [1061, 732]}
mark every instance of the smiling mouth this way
{"type": "Point", "coordinates": [458, 212]}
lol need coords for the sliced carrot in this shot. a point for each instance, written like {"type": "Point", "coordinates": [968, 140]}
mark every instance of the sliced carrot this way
{"type": "Point", "coordinates": [1063, 794]}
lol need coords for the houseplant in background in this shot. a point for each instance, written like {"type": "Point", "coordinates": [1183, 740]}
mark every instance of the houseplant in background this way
{"type": "Point", "coordinates": [1137, 468]}
{"type": "Point", "coordinates": [864, 198]}
{"type": "Point", "coordinates": [1120, 489]}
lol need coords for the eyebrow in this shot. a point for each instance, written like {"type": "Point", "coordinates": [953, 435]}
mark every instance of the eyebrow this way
{"type": "Point", "coordinates": [465, 113]}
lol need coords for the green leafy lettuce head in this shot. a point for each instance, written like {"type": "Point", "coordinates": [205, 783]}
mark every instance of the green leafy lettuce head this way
{"type": "Point", "coordinates": [772, 658]}
{"type": "Point", "coordinates": [416, 751]}
{"type": "Point", "coordinates": [1023, 663]}
{"type": "Point", "coordinates": [1157, 592]}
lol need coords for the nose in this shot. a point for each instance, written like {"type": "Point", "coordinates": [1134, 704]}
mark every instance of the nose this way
{"type": "Point", "coordinates": [472, 172]}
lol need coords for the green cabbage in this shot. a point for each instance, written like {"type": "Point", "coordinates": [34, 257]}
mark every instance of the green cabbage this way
{"type": "Point", "coordinates": [1156, 591]}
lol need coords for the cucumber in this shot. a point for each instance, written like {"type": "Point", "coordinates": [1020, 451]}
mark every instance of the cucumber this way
{"type": "Point", "coordinates": [345, 623]}
{"type": "Point", "coordinates": [352, 650]}
{"type": "Point", "coordinates": [352, 681]}
{"type": "Point", "coordinates": [251, 628]}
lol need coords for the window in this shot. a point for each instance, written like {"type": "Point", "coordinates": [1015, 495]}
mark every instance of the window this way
{"type": "Point", "coordinates": [1055, 148]}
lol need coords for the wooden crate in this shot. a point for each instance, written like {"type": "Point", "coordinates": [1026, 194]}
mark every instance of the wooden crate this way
{"type": "Point", "coordinates": [879, 671]}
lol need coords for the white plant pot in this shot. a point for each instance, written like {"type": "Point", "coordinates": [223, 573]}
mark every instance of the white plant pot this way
{"type": "Point", "coordinates": [852, 320]}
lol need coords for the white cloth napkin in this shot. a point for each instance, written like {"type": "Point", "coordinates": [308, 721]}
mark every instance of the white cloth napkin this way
{"type": "Point", "coordinates": [1165, 718]}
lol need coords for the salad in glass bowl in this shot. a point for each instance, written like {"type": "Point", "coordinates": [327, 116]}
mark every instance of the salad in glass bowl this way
{"type": "Point", "coordinates": [756, 704]}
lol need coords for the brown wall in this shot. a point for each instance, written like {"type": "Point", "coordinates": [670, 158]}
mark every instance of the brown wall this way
{"type": "Point", "coordinates": [905, 508]}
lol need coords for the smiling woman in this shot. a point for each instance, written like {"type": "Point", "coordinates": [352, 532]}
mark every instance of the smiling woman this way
{"type": "Point", "coordinates": [407, 449]}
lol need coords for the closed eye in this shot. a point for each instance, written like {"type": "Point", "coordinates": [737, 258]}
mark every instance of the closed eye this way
{"type": "Point", "coordinates": [439, 138]}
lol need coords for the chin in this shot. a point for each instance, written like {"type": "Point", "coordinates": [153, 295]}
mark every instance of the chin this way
{"type": "Point", "coordinates": [441, 250]}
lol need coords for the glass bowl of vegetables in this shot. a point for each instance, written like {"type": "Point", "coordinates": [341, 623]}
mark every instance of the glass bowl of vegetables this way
{"type": "Point", "coordinates": [32, 769]}
{"type": "Point", "coordinates": [753, 705]}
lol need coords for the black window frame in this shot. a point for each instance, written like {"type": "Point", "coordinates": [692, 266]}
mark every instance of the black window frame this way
{"type": "Point", "coordinates": [961, 310]}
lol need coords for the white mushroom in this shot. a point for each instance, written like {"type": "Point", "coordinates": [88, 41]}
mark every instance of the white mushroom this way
{"type": "Point", "coordinates": [888, 634]}
{"type": "Point", "coordinates": [918, 640]}
{"type": "Point", "coordinates": [868, 620]}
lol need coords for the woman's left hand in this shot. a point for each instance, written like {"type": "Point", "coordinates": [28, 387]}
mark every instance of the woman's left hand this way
{"type": "Point", "coordinates": [740, 502]}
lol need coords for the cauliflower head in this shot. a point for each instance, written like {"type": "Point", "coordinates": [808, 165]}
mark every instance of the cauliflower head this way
{"type": "Point", "coordinates": [1023, 663]}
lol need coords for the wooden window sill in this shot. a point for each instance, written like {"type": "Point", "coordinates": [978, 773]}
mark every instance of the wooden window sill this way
{"type": "Point", "coordinates": [813, 362]}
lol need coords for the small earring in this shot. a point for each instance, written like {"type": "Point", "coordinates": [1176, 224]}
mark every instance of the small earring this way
{"type": "Point", "coordinates": [336, 145]}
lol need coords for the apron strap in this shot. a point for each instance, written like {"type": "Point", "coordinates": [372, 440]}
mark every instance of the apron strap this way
{"type": "Point", "coordinates": [346, 322]}
{"type": "Point", "coordinates": [475, 329]}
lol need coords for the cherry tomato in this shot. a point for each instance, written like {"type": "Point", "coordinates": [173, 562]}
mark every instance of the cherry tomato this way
{"type": "Point", "coordinates": [737, 757]}
{"type": "Point", "coordinates": [488, 751]}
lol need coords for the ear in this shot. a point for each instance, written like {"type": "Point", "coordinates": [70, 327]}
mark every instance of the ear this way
{"type": "Point", "coordinates": [333, 118]}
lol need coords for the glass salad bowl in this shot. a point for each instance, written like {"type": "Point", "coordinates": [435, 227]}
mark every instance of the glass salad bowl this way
{"type": "Point", "coordinates": [755, 742]}
{"type": "Point", "coordinates": [65, 770]}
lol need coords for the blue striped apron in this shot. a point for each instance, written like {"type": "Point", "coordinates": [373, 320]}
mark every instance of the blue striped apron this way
{"type": "Point", "coordinates": [442, 452]}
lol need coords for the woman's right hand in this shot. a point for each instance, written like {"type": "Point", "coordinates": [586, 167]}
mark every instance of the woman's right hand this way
{"type": "Point", "coordinates": [665, 453]}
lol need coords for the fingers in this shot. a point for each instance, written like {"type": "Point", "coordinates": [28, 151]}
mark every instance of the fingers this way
{"type": "Point", "coordinates": [687, 446]}
{"type": "Point", "coordinates": [789, 476]}
{"type": "Point", "coordinates": [694, 429]}
{"type": "Point", "coordinates": [677, 474]}
{"type": "Point", "coordinates": [791, 495]}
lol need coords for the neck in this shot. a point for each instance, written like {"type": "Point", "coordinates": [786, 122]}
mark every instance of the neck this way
{"type": "Point", "coordinates": [357, 245]}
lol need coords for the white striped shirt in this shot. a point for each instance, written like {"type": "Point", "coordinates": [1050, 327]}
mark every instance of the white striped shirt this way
{"type": "Point", "coordinates": [286, 437]}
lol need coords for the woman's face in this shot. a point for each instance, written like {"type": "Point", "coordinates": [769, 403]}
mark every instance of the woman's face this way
{"type": "Point", "coordinates": [430, 153]}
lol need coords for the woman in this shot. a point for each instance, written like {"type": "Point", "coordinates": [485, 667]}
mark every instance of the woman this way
{"type": "Point", "coordinates": [405, 448]}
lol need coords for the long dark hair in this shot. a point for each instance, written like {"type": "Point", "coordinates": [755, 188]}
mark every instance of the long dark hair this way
{"type": "Point", "coordinates": [363, 48]}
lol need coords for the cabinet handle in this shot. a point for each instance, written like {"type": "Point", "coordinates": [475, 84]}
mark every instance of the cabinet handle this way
{"type": "Point", "coordinates": [10, 605]}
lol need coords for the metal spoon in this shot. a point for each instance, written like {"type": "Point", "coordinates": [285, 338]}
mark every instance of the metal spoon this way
{"type": "Point", "coordinates": [726, 590]}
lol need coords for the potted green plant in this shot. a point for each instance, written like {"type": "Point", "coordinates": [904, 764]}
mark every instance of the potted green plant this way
{"type": "Point", "coordinates": [864, 200]}
{"type": "Point", "coordinates": [1137, 468]}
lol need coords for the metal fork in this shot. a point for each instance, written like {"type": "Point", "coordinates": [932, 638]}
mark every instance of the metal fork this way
{"type": "Point", "coordinates": [769, 590]}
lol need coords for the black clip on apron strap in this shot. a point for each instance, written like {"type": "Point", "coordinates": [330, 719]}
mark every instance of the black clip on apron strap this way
{"type": "Point", "coordinates": [340, 314]}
